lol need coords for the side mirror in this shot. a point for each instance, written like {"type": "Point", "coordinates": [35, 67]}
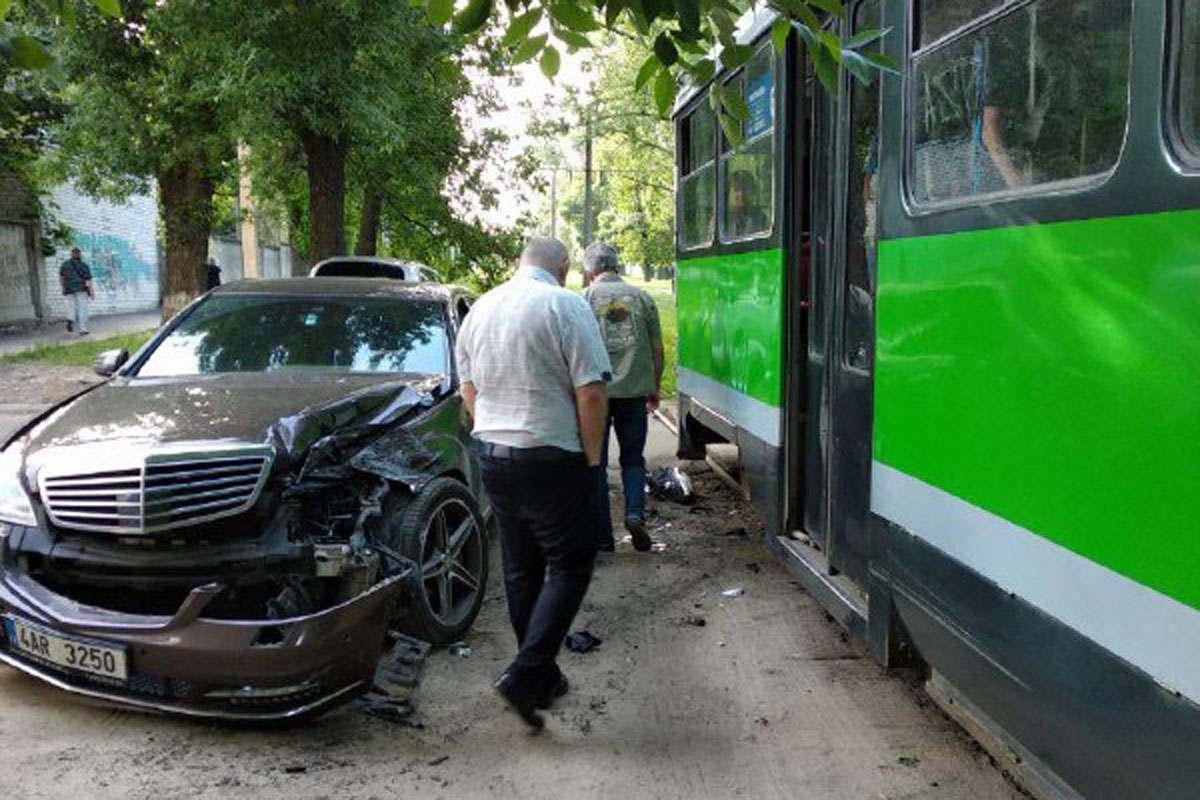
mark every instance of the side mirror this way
{"type": "Point", "coordinates": [108, 362]}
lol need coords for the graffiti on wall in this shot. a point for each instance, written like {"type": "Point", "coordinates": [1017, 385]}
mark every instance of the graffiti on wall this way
{"type": "Point", "coordinates": [117, 266]}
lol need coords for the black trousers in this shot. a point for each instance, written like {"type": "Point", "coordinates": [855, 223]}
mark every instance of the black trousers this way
{"type": "Point", "coordinates": [546, 513]}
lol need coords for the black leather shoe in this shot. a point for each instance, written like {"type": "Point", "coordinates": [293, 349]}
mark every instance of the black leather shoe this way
{"type": "Point", "coordinates": [637, 532]}
{"type": "Point", "coordinates": [521, 700]}
{"type": "Point", "coordinates": [561, 687]}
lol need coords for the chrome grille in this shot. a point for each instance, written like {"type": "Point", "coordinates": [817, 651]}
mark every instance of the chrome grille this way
{"type": "Point", "coordinates": [163, 491]}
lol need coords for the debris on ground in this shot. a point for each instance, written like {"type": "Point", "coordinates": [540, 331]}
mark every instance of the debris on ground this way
{"type": "Point", "coordinates": [396, 676]}
{"type": "Point", "coordinates": [738, 531]}
{"type": "Point", "coordinates": [694, 620]}
{"type": "Point", "coordinates": [754, 567]}
{"type": "Point", "coordinates": [671, 484]}
{"type": "Point", "coordinates": [736, 591]}
{"type": "Point", "coordinates": [582, 642]}
{"type": "Point", "coordinates": [439, 760]}
{"type": "Point", "coordinates": [460, 649]}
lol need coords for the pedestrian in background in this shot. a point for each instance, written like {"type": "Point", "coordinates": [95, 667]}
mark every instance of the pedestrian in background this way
{"type": "Point", "coordinates": [632, 334]}
{"type": "Point", "coordinates": [75, 277]}
{"type": "Point", "coordinates": [533, 370]}
{"type": "Point", "coordinates": [212, 277]}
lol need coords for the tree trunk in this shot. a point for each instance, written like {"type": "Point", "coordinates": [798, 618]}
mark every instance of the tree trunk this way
{"type": "Point", "coordinates": [368, 224]}
{"type": "Point", "coordinates": [326, 196]}
{"type": "Point", "coordinates": [185, 192]}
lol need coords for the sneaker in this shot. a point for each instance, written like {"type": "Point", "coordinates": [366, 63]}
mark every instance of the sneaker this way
{"type": "Point", "coordinates": [84, 333]}
{"type": "Point", "coordinates": [637, 532]}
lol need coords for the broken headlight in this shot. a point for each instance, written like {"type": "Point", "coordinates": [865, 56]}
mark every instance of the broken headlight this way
{"type": "Point", "coordinates": [15, 506]}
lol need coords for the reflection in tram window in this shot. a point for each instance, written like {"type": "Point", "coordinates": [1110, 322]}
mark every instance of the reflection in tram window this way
{"type": "Point", "coordinates": [1036, 96]}
{"type": "Point", "coordinates": [1189, 77]}
{"type": "Point", "coordinates": [936, 18]}
{"type": "Point", "coordinates": [698, 184]}
{"type": "Point", "coordinates": [748, 171]}
{"type": "Point", "coordinates": [863, 197]}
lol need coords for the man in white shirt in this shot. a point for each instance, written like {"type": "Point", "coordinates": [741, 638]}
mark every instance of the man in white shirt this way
{"type": "Point", "coordinates": [533, 370]}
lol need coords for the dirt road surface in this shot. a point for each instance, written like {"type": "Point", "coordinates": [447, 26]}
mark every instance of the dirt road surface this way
{"type": "Point", "coordinates": [691, 695]}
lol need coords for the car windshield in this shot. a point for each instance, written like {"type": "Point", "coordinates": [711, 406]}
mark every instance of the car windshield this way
{"type": "Point", "coordinates": [260, 333]}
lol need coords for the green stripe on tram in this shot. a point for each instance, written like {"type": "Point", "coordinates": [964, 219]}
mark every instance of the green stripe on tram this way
{"type": "Point", "coordinates": [1050, 374]}
{"type": "Point", "coordinates": [731, 321]}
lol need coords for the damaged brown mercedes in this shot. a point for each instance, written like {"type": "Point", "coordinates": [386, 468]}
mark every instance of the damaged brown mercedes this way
{"type": "Point", "coordinates": [234, 523]}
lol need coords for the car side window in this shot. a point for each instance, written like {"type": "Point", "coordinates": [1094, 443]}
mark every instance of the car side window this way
{"type": "Point", "coordinates": [461, 307]}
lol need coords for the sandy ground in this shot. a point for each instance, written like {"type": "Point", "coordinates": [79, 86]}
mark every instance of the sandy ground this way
{"type": "Point", "coordinates": [691, 695]}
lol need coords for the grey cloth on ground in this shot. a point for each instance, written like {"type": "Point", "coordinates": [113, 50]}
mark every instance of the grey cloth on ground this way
{"type": "Point", "coordinates": [526, 346]}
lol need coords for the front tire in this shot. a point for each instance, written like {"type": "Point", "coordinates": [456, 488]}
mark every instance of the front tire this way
{"type": "Point", "coordinates": [442, 532]}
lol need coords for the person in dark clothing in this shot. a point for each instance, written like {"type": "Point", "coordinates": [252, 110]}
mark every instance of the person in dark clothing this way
{"type": "Point", "coordinates": [533, 369]}
{"type": "Point", "coordinates": [213, 279]}
{"type": "Point", "coordinates": [75, 278]}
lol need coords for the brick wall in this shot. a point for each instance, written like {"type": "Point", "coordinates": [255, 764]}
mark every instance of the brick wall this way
{"type": "Point", "coordinates": [119, 243]}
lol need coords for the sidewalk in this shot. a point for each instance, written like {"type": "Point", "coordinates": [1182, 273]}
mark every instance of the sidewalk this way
{"type": "Point", "coordinates": [101, 327]}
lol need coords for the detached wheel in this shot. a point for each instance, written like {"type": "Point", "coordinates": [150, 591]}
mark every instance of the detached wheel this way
{"type": "Point", "coordinates": [442, 531]}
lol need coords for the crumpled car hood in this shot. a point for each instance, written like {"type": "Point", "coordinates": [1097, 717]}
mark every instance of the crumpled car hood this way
{"type": "Point", "coordinates": [290, 411]}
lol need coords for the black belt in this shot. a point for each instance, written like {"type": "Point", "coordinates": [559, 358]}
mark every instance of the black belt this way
{"type": "Point", "coordinates": [507, 453]}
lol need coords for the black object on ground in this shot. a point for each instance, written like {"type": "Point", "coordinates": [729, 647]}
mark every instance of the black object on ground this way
{"type": "Point", "coordinates": [398, 673]}
{"type": "Point", "coordinates": [671, 484]}
{"type": "Point", "coordinates": [582, 642]}
{"type": "Point", "coordinates": [738, 531]}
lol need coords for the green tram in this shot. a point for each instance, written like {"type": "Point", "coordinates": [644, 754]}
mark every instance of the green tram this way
{"type": "Point", "coordinates": [952, 322]}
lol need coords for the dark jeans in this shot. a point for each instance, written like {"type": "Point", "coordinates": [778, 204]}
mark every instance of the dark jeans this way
{"type": "Point", "coordinates": [546, 515]}
{"type": "Point", "coordinates": [627, 416]}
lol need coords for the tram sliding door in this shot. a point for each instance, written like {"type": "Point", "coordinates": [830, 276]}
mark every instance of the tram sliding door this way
{"type": "Point", "coordinates": [841, 324]}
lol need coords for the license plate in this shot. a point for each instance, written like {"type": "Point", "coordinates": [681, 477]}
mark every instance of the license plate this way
{"type": "Point", "coordinates": [78, 655]}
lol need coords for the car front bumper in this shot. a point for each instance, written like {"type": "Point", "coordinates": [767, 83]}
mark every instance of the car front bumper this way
{"type": "Point", "coordinates": [239, 670]}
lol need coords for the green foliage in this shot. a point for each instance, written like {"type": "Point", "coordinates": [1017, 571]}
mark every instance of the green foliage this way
{"type": "Point", "coordinates": [78, 354]}
{"type": "Point", "coordinates": [633, 197]}
{"type": "Point", "coordinates": [695, 27]}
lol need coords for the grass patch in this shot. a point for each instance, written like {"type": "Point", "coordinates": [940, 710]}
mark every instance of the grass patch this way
{"type": "Point", "coordinates": [81, 353]}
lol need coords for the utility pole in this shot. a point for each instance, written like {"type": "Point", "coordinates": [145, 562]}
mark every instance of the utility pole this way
{"type": "Point", "coordinates": [587, 182]}
{"type": "Point", "coordinates": [554, 204]}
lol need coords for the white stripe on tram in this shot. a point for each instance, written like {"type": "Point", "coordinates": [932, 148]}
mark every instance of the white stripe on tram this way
{"type": "Point", "coordinates": [1150, 630]}
{"type": "Point", "coordinates": [746, 412]}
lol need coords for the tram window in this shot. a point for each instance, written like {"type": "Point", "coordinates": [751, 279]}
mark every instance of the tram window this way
{"type": "Point", "coordinates": [936, 18]}
{"type": "Point", "coordinates": [1036, 96]}
{"type": "Point", "coordinates": [748, 170]}
{"type": "Point", "coordinates": [698, 190]}
{"type": "Point", "coordinates": [862, 201]}
{"type": "Point", "coordinates": [1189, 77]}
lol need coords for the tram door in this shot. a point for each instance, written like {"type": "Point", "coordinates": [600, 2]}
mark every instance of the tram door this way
{"type": "Point", "coordinates": [841, 213]}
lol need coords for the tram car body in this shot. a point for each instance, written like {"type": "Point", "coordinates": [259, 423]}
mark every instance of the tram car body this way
{"type": "Point", "coordinates": [951, 319]}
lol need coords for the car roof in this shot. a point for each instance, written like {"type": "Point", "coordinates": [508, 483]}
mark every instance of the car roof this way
{"type": "Point", "coordinates": [342, 287]}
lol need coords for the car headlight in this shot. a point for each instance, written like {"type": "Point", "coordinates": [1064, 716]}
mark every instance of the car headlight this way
{"type": "Point", "coordinates": [14, 502]}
